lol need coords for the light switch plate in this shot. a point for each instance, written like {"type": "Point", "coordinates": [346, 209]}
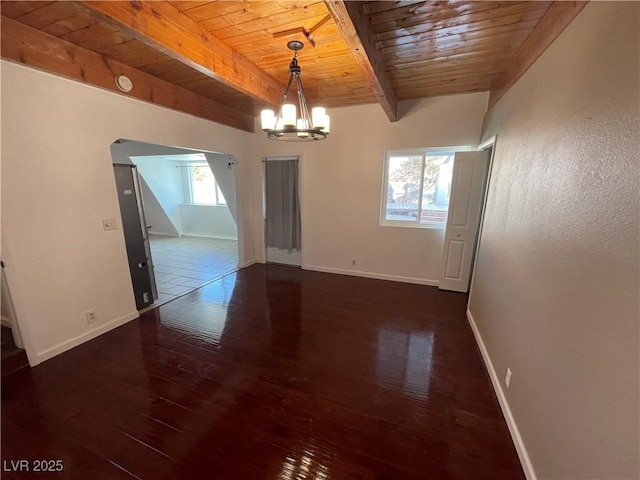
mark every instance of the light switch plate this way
{"type": "Point", "coordinates": [109, 224]}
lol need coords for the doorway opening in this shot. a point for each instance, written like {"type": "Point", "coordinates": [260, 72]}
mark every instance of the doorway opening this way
{"type": "Point", "coordinates": [188, 216]}
{"type": "Point", "coordinates": [14, 356]}
{"type": "Point", "coordinates": [281, 208]}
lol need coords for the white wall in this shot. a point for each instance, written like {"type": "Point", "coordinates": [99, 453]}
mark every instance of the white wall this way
{"type": "Point", "coordinates": [58, 185]}
{"type": "Point", "coordinates": [342, 182]}
{"type": "Point", "coordinates": [556, 289]}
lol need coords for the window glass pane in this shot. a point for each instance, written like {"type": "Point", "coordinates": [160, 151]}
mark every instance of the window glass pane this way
{"type": "Point", "coordinates": [203, 185]}
{"type": "Point", "coordinates": [438, 172]}
{"type": "Point", "coordinates": [403, 189]}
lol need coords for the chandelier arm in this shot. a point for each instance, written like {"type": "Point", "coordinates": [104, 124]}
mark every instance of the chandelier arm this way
{"type": "Point", "coordinates": [286, 90]}
{"type": "Point", "coordinates": [284, 97]}
{"type": "Point", "coordinates": [304, 110]}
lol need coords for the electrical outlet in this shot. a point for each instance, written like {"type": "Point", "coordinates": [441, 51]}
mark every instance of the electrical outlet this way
{"type": "Point", "coordinates": [92, 316]}
{"type": "Point", "coordinates": [353, 262]}
{"type": "Point", "coordinates": [109, 224]}
{"type": "Point", "coordinates": [507, 378]}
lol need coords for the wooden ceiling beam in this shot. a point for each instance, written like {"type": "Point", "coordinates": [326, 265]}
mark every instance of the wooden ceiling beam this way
{"type": "Point", "coordinates": [161, 26]}
{"type": "Point", "coordinates": [26, 45]}
{"type": "Point", "coordinates": [357, 34]}
{"type": "Point", "coordinates": [551, 25]}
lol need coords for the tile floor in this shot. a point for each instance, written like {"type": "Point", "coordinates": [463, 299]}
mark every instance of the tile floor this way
{"type": "Point", "coordinates": [183, 264]}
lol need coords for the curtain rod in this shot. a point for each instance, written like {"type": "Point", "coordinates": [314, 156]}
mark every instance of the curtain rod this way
{"type": "Point", "coordinates": [200, 165]}
{"type": "Point", "coordinates": [297, 159]}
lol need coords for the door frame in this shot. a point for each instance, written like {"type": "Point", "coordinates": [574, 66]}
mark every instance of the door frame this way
{"type": "Point", "coordinates": [26, 337]}
{"type": "Point", "coordinates": [137, 192]}
{"type": "Point", "coordinates": [489, 143]}
{"type": "Point", "coordinates": [267, 158]}
{"type": "Point", "coordinates": [12, 318]}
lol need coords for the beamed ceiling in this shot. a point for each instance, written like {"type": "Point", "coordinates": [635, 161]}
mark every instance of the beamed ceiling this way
{"type": "Point", "coordinates": [227, 60]}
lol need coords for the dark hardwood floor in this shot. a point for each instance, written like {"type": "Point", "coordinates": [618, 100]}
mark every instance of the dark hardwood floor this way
{"type": "Point", "coordinates": [269, 373]}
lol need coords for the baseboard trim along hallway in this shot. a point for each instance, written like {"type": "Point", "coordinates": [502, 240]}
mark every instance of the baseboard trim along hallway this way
{"type": "Point", "coordinates": [377, 276]}
{"type": "Point", "coordinates": [523, 454]}
{"type": "Point", "coordinates": [61, 347]}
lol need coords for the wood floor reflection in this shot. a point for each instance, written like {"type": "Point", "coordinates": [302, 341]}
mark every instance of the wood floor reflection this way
{"type": "Point", "coordinates": [269, 373]}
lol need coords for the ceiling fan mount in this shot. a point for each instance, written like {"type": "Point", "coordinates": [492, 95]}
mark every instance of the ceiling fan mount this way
{"type": "Point", "coordinates": [308, 34]}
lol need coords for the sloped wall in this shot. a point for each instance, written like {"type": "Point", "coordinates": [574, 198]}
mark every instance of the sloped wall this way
{"type": "Point", "coordinates": [165, 181]}
{"type": "Point", "coordinates": [158, 221]}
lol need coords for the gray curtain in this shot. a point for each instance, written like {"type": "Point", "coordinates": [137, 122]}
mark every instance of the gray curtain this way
{"type": "Point", "coordinates": [282, 208]}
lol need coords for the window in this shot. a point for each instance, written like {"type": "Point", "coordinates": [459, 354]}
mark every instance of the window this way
{"type": "Point", "coordinates": [204, 188]}
{"type": "Point", "coordinates": [417, 186]}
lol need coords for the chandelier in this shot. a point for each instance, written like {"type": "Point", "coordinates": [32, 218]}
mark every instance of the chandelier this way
{"type": "Point", "coordinates": [286, 125]}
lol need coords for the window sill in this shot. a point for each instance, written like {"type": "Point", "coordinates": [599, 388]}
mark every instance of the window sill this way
{"type": "Point", "coordinates": [431, 226]}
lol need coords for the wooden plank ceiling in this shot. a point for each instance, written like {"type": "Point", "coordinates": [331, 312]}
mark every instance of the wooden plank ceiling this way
{"type": "Point", "coordinates": [226, 60]}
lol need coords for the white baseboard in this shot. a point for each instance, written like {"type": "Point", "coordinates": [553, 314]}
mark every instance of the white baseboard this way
{"type": "Point", "coordinates": [527, 466]}
{"type": "Point", "coordinates": [61, 347]}
{"type": "Point", "coordinates": [378, 276]}
{"type": "Point", "coordinates": [193, 235]}
{"type": "Point", "coordinates": [247, 264]}
{"type": "Point", "coordinates": [162, 234]}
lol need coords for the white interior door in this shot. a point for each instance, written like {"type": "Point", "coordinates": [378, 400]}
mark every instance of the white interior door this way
{"type": "Point", "coordinates": [469, 170]}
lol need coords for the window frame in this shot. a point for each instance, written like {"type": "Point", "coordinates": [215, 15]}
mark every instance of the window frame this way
{"type": "Point", "coordinates": [414, 152]}
{"type": "Point", "coordinates": [215, 181]}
